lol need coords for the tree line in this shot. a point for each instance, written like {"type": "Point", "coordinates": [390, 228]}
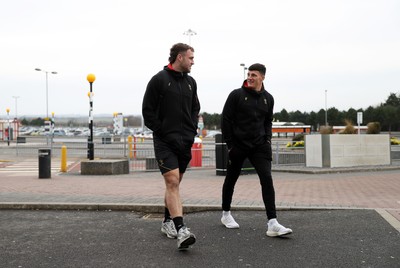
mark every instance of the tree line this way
{"type": "Point", "coordinates": [387, 114]}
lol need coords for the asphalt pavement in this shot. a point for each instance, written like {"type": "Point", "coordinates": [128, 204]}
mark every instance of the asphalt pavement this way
{"type": "Point", "coordinates": [321, 238]}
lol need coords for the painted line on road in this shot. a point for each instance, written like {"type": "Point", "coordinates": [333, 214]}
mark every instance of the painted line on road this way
{"type": "Point", "coordinates": [389, 218]}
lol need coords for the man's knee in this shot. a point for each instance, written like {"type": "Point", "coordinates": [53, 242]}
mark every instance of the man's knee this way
{"type": "Point", "coordinates": [172, 178]}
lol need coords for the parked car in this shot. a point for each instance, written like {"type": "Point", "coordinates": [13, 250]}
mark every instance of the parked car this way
{"type": "Point", "coordinates": [59, 132]}
{"type": "Point", "coordinates": [212, 133]}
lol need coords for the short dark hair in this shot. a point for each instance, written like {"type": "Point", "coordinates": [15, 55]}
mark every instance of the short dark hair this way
{"type": "Point", "coordinates": [177, 49]}
{"type": "Point", "coordinates": [258, 67]}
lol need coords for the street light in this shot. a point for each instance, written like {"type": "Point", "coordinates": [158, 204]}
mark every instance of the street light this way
{"type": "Point", "coordinates": [51, 130]}
{"type": "Point", "coordinates": [244, 70]}
{"type": "Point", "coordinates": [189, 33]}
{"type": "Point", "coordinates": [8, 123]}
{"type": "Point", "coordinates": [90, 155]}
{"type": "Point", "coordinates": [16, 106]}
{"type": "Point", "coordinates": [47, 90]}
{"type": "Point", "coordinates": [326, 108]}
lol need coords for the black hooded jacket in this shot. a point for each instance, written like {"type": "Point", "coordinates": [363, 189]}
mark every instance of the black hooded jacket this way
{"type": "Point", "coordinates": [170, 107]}
{"type": "Point", "coordinates": [247, 118]}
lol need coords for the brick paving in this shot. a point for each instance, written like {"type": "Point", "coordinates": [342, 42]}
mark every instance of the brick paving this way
{"type": "Point", "coordinates": [364, 188]}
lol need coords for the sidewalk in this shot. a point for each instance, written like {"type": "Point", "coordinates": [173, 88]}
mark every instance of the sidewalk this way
{"type": "Point", "coordinates": [296, 188]}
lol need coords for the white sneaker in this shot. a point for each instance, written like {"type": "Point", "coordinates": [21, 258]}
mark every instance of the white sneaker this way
{"type": "Point", "coordinates": [229, 221]}
{"type": "Point", "coordinates": [168, 228]}
{"type": "Point", "coordinates": [185, 238]}
{"type": "Point", "coordinates": [276, 229]}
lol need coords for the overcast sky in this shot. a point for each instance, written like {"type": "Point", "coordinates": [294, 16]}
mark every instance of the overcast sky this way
{"type": "Point", "coordinates": [349, 48]}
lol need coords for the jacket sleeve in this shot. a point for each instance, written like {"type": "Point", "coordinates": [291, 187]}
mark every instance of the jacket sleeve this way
{"type": "Point", "coordinates": [195, 105]}
{"type": "Point", "coordinates": [228, 119]}
{"type": "Point", "coordinates": [151, 105]}
{"type": "Point", "coordinates": [269, 118]}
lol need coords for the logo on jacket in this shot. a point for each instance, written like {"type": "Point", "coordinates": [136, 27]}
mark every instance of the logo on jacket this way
{"type": "Point", "coordinates": [265, 101]}
{"type": "Point", "coordinates": [190, 87]}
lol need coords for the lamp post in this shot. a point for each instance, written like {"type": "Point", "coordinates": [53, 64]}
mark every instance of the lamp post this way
{"type": "Point", "coordinates": [190, 33]}
{"type": "Point", "coordinates": [16, 106]}
{"type": "Point", "coordinates": [47, 90]}
{"type": "Point", "coordinates": [90, 155]}
{"type": "Point", "coordinates": [244, 70]}
{"type": "Point", "coordinates": [326, 108]}
{"type": "Point", "coordinates": [16, 113]}
{"type": "Point", "coordinates": [8, 124]}
{"type": "Point", "coordinates": [115, 124]}
{"type": "Point", "coordinates": [52, 131]}
{"type": "Point", "coordinates": [126, 121]}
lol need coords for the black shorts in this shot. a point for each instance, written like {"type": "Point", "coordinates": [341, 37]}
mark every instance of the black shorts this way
{"type": "Point", "coordinates": [170, 158]}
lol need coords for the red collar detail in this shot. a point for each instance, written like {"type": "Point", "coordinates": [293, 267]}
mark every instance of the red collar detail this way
{"type": "Point", "coordinates": [170, 67]}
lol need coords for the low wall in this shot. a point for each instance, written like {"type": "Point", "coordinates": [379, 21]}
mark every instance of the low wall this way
{"type": "Point", "coordinates": [105, 167]}
{"type": "Point", "coordinates": [341, 150]}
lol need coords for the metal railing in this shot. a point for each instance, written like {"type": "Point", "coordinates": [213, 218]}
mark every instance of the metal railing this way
{"type": "Point", "coordinates": [141, 152]}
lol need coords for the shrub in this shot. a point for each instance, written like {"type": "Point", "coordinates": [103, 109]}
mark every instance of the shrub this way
{"type": "Point", "coordinates": [295, 144]}
{"type": "Point", "coordinates": [373, 128]}
{"type": "Point", "coordinates": [298, 144]}
{"type": "Point", "coordinates": [394, 141]}
{"type": "Point", "coordinates": [349, 128]}
{"type": "Point", "coordinates": [325, 130]}
{"type": "Point", "coordinates": [298, 137]}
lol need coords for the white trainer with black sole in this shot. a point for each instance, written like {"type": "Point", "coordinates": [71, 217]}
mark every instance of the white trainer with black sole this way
{"type": "Point", "coordinates": [185, 238]}
{"type": "Point", "coordinates": [168, 228]}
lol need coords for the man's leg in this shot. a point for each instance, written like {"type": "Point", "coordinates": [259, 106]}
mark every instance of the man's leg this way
{"type": "Point", "coordinates": [262, 164]}
{"type": "Point", "coordinates": [167, 214]}
{"type": "Point", "coordinates": [173, 202]}
{"type": "Point", "coordinates": [263, 168]}
{"type": "Point", "coordinates": [234, 167]}
{"type": "Point", "coordinates": [172, 197]}
{"type": "Point", "coordinates": [168, 225]}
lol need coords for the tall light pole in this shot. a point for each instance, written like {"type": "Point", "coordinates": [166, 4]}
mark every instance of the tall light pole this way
{"type": "Point", "coordinates": [244, 70]}
{"type": "Point", "coordinates": [8, 124]}
{"type": "Point", "coordinates": [47, 90]}
{"type": "Point", "coordinates": [189, 33]}
{"type": "Point", "coordinates": [90, 155]}
{"type": "Point", "coordinates": [126, 124]}
{"type": "Point", "coordinates": [16, 106]}
{"type": "Point", "coordinates": [326, 107]}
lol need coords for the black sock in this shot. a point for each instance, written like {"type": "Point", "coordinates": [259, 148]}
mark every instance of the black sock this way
{"type": "Point", "coordinates": [167, 216]}
{"type": "Point", "coordinates": [178, 221]}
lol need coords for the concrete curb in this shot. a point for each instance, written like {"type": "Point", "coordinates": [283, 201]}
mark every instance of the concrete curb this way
{"type": "Point", "coordinates": [308, 170]}
{"type": "Point", "coordinates": [159, 209]}
{"type": "Point", "coordinates": [147, 208]}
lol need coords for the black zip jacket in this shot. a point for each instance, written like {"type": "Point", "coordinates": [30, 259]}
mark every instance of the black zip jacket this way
{"type": "Point", "coordinates": [170, 107]}
{"type": "Point", "coordinates": [247, 118]}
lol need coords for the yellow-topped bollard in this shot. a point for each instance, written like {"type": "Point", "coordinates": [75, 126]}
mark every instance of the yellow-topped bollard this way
{"type": "Point", "coordinates": [130, 146]}
{"type": "Point", "coordinates": [63, 158]}
{"type": "Point", "coordinates": [91, 78]}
